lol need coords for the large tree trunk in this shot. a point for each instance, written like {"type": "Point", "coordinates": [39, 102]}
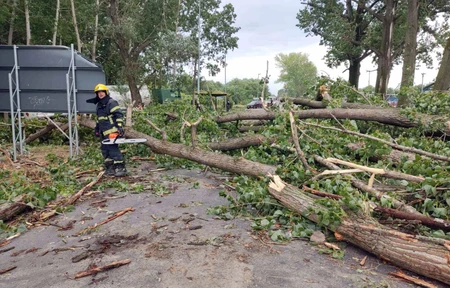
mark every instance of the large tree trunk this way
{"type": "Point", "coordinates": [55, 27]}
{"type": "Point", "coordinates": [443, 77]}
{"type": "Point", "coordinates": [47, 129]}
{"type": "Point", "coordinates": [94, 42]}
{"type": "Point", "coordinates": [9, 210]}
{"type": "Point", "coordinates": [389, 116]}
{"type": "Point", "coordinates": [75, 25]}
{"type": "Point", "coordinates": [385, 57]}
{"type": "Point", "coordinates": [409, 57]}
{"type": "Point", "coordinates": [217, 160]}
{"type": "Point", "coordinates": [425, 256]}
{"type": "Point", "coordinates": [136, 97]}
{"type": "Point", "coordinates": [353, 78]}
{"type": "Point", "coordinates": [320, 104]}
{"type": "Point", "coordinates": [27, 22]}
{"type": "Point", "coordinates": [11, 23]}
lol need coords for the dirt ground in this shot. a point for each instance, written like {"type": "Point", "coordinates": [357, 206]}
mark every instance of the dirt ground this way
{"type": "Point", "coordinates": [171, 241]}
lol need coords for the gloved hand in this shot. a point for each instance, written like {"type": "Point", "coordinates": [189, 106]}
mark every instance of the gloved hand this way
{"type": "Point", "coordinates": [121, 131]}
{"type": "Point", "coordinates": [97, 131]}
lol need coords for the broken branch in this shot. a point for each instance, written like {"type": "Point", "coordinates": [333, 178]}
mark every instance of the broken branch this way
{"type": "Point", "coordinates": [95, 270]}
{"type": "Point", "coordinates": [110, 218]}
{"type": "Point", "coordinates": [162, 132]}
{"type": "Point", "coordinates": [86, 188]}
{"type": "Point", "coordinates": [299, 150]}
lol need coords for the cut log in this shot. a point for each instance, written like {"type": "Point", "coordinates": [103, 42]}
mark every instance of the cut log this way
{"type": "Point", "coordinates": [9, 210]}
{"type": "Point", "coordinates": [241, 142]}
{"type": "Point", "coordinates": [364, 187]}
{"type": "Point", "coordinates": [223, 162]}
{"type": "Point", "coordinates": [410, 252]}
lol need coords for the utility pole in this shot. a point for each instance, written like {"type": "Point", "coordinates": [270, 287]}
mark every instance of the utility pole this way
{"type": "Point", "coordinates": [423, 74]}
{"type": "Point", "coordinates": [199, 49]}
{"type": "Point", "coordinates": [369, 71]}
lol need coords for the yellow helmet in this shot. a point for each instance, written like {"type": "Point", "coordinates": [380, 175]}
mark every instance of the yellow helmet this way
{"type": "Point", "coordinates": [101, 87]}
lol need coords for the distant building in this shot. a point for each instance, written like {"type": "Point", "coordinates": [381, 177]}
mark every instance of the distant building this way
{"type": "Point", "coordinates": [123, 96]}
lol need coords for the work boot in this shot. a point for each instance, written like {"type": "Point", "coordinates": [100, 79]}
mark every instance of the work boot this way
{"type": "Point", "coordinates": [109, 168]}
{"type": "Point", "coordinates": [120, 170]}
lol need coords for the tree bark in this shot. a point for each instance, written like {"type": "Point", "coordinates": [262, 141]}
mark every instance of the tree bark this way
{"type": "Point", "coordinates": [27, 22]}
{"type": "Point", "coordinates": [385, 55]}
{"type": "Point", "coordinates": [75, 25]}
{"type": "Point", "coordinates": [217, 160]}
{"type": "Point", "coordinates": [55, 27]}
{"type": "Point", "coordinates": [94, 42]}
{"type": "Point", "coordinates": [241, 142]}
{"type": "Point", "coordinates": [409, 57]}
{"type": "Point", "coordinates": [443, 77]}
{"type": "Point", "coordinates": [9, 210]}
{"type": "Point", "coordinates": [11, 23]}
{"type": "Point", "coordinates": [354, 72]}
{"type": "Point", "coordinates": [425, 256]}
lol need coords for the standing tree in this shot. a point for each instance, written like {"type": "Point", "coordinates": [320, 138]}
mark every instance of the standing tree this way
{"type": "Point", "coordinates": [343, 27]}
{"type": "Point", "coordinates": [443, 77]}
{"type": "Point", "coordinates": [297, 72]}
{"type": "Point", "coordinates": [27, 22]}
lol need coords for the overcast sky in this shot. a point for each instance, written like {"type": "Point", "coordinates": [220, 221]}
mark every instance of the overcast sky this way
{"type": "Point", "coordinates": [268, 27]}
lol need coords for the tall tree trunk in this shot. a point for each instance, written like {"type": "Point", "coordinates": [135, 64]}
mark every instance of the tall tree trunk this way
{"type": "Point", "coordinates": [443, 77]}
{"type": "Point", "coordinates": [94, 42]}
{"type": "Point", "coordinates": [385, 57]}
{"type": "Point", "coordinates": [27, 22]}
{"type": "Point", "coordinates": [409, 57]}
{"type": "Point", "coordinates": [194, 82]}
{"type": "Point", "coordinates": [11, 23]}
{"type": "Point", "coordinates": [55, 27]}
{"type": "Point", "coordinates": [75, 25]}
{"type": "Point", "coordinates": [130, 74]}
{"type": "Point", "coordinates": [353, 78]}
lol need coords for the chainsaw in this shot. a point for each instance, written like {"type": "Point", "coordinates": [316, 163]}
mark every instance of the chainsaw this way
{"type": "Point", "coordinates": [113, 138]}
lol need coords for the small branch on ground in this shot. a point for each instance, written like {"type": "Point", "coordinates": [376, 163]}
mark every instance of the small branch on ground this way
{"type": "Point", "coordinates": [86, 188]}
{"type": "Point", "coordinates": [7, 270]}
{"type": "Point", "coordinates": [95, 270]}
{"type": "Point", "coordinates": [321, 194]}
{"type": "Point", "coordinates": [110, 218]}
{"type": "Point", "coordinates": [414, 280]}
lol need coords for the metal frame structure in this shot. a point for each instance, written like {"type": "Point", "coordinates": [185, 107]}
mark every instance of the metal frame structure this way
{"type": "Point", "coordinates": [16, 112]}
{"type": "Point", "coordinates": [14, 97]}
{"type": "Point", "coordinates": [72, 105]}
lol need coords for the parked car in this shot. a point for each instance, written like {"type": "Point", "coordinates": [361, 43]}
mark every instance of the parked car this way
{"type": "Point", "coordinates": [255, 104]}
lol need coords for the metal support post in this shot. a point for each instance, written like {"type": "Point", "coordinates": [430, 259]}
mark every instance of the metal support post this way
{"type": "Point", "coordinates": [72, 106]}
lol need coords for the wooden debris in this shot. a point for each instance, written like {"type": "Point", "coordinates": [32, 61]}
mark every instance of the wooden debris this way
{"type": "Point", "coordinates": [363, 261]}
{"type": "Point", "coordinates": [82, 173]}
{"type": "Point", "coordinates": [17, 253]}
{"type": "Point", "coordinates": [7, 249]}
{"type": "Point", "coordinates": [414, 280]}
{"type": "Point", "coordinates": [332, 246]}
{"type": "Point", "coordinates": [7, 270]}
{"type": "Point", "coordinates": [4, 243]}
{"type": "Point", "coordinates": [95, 270]}
{"type": "Point", "coordinates": [322, 194]}
{"type": "Point", "coordinates": [86, 188]}
{"type": "Point", "coordinates": [110, 218]}
{"type": "Point", "coordinates": [10, 210]}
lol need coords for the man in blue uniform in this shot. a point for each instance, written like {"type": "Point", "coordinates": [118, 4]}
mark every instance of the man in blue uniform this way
{"type": "Point", "coordinates": [109, 123]}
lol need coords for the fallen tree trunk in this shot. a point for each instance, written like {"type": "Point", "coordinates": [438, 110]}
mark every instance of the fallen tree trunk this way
{"type": "Point", "coordinates": [47, 129]}
{"type": "Point", "coordinates": [389, 116]}
{"type": "Point", "coordinates": [321, 104]}
{"type": "Point", "coordinates": [395, 155]}
{"type": "Point", "coordinates": [224, 162]}
{"type": "Point", "coordinates": [241, 142]}
{"type": "Point", "coordinates": [425, 257]}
